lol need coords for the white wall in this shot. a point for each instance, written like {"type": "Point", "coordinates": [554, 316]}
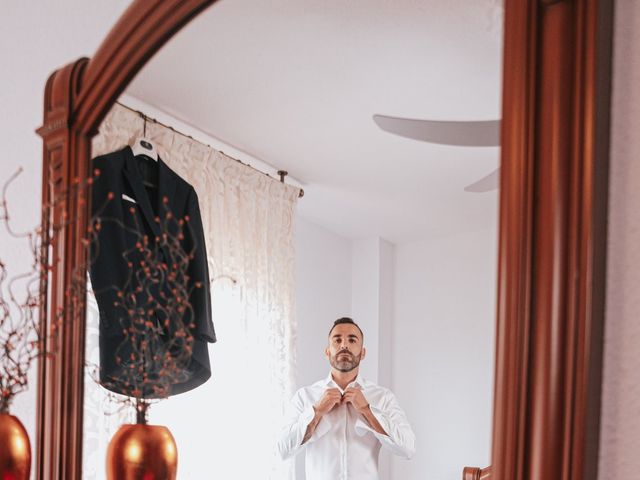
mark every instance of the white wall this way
{"type": "Point", "coordinates": [386, 307]}
{"type": "Point", "coordinates": [372, 304]}
{"type": "Point", "coordinates": [620, 420]}
{"type": "Point", "coordinates": [364, 300]}
{"type": "Point", "coordinates": [323, 288]}
{"type": "Point", "coordinates": [443, 351]}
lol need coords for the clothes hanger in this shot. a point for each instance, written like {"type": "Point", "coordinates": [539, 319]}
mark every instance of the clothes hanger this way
{"type": "Point", "coordinates": [144, 146]}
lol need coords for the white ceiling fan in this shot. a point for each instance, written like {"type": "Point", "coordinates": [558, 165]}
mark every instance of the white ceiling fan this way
{"type": "Point", "coordinates": [481, 133]}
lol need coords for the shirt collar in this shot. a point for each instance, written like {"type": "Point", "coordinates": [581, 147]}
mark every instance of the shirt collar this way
{"type": "Point", "coordinates": [357, 382]}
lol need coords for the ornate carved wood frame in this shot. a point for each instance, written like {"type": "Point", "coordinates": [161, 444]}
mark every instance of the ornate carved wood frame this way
{"type": "Point", "coordinates": [552, 234]}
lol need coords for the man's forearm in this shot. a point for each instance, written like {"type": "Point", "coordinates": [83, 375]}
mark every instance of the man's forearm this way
{"type": "Point", "coordinates": [373, 422]}
{"type": "Point", "coordinates": [311, 428]}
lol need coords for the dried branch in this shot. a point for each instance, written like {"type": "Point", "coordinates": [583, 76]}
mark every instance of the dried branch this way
{"type": "Point", "coordinates": [23, 295]}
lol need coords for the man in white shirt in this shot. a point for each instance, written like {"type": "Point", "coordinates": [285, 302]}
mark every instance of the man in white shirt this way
{"type": "Point", "coordinates": [343, 420]}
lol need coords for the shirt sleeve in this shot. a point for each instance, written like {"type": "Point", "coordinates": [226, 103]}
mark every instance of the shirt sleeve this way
{"type": "Point", "coordinates": [300, 415]}
{"type": "Point", "coordinates": [400, 438]}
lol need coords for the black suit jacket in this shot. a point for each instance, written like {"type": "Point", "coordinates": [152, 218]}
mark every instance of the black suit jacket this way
{"type": "Point", "coordinates": [133, 275]}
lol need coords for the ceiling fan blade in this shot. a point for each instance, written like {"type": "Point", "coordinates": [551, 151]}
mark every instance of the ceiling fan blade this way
{"type": "Point", "coordinates": [481, 133]}
{"type": "Point", "coordinates": [485, 184]}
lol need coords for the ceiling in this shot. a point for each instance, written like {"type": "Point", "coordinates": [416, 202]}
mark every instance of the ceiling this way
{"type": "Point", "coordinates": [295, 84]}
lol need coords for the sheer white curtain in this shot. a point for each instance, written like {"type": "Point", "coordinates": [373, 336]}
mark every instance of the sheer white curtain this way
{"type": "Point", "coordinates": [228, 427]}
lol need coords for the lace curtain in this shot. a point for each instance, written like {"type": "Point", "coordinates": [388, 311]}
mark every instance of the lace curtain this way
{"type": "Point", "coordinates": [228, 427]}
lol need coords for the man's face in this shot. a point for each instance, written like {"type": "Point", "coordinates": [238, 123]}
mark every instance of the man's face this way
{"type": "Point", "coordinates": [345, 348]}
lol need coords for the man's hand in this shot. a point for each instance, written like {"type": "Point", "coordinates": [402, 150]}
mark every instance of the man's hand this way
{"type": "Point", "coordinates": [355, 397]}
{"type": "Point", "coordinates": [330, 398]}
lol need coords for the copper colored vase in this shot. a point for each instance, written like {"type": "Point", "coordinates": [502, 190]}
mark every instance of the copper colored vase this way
{"type": "Point", "coordinates": [15, 450]}
{"type": "Point", "coordinates": [142, 452]}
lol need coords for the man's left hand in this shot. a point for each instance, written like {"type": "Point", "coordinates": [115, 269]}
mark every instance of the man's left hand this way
{"type": "Point", "coordinates": [356, 398]}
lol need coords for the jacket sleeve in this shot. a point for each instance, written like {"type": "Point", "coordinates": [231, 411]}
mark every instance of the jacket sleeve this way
{"type": "Point", "coordinates": [400, 438]}
{"type": "Point", "coordinates": [199, 270]}
{"type": "Point", "coordinates": [299, 416]}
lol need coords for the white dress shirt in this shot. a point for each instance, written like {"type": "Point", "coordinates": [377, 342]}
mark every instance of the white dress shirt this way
{"type": "Point", "coordinates": [344, 446]}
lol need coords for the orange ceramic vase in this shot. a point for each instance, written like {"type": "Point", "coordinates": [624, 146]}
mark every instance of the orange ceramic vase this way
{"type": "Point", "coordinates": [15, 450]}
{"type": "Point", "coordinates": [142, 452]}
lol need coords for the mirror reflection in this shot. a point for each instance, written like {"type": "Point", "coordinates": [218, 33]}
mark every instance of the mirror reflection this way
{"type": "Point", "coordinates": [333, 318]}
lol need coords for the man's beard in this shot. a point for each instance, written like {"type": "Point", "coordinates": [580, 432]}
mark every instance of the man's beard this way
{"type": "Point", "coordinates": [342, 363]}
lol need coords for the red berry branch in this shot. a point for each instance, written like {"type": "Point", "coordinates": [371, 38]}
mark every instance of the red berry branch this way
{"type": "Point", "coordinates": [23, 294]}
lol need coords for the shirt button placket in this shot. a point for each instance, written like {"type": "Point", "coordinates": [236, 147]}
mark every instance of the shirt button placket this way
{"type": "Point", "coordinates": [344, 444]}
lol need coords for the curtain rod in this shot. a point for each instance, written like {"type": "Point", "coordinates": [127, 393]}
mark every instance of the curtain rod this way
{"type": "Point", "coordinates": [147, 118]}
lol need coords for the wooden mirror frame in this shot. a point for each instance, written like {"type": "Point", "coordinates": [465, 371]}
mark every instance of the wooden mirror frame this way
{"type": "Point", "coordinates": [552, 230]}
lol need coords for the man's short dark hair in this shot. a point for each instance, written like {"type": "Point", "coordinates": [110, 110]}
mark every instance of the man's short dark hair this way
{"type": "Point", "coordinates": [344, 320]}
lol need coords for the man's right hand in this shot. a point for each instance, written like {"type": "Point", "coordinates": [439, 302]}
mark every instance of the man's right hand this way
{"type": "Point", "coordinates": [330, 398]}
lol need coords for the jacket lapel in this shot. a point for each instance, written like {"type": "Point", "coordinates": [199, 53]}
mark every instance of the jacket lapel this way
{"type": "Point", "coordinates": [166, 189]}
{"type": "Point", "coordinates": [142, 199]}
